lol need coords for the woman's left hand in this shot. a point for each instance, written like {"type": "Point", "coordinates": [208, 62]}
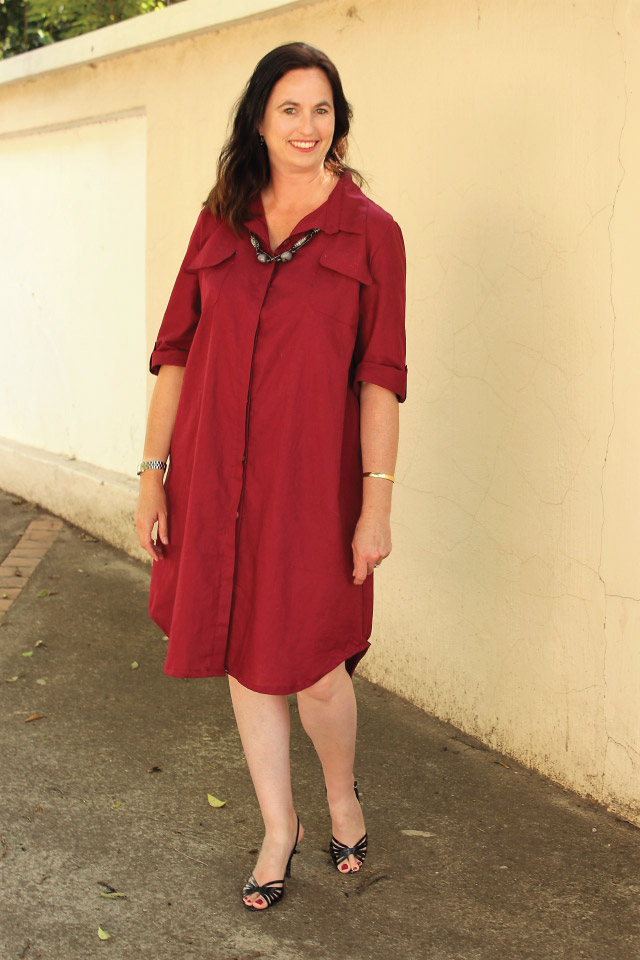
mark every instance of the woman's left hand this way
{"type": "Point", "coordinates": [371, 543]}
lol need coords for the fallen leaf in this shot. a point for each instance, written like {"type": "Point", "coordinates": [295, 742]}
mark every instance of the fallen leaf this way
{"type": "Point", "coordinates": [87, 536]}
{"type": "Point", "coordinates": [417, 833]}
{"type": "Point", "coordinates": [155, 769]}
{"type": "Point", "coordinates": [41, 681]}
{"type": "Point", "coordinates": [34, 716]}
{"type": "Point", "coordinates": [43, 593]}
{"type": "Point", "coordinates": [135, 665]}
{"type": "Point", "coordinates": [10, 679]}
{"type": "Point", "coordinates": [117, 803]}
{"type": "Point", "coordinates": [165, 638]}
{"type": "Point", "coordinates": [27, 653]}
{"type": "Point", "coordinates": [215, 802]}
{"type": "Point", "coordinates": [5, 596]}
{"type": "Point", "coordinates": [111, 896]}
{"type": "Point", "coordinates": [103, 934]}
{"type": "Point", "coordinates": [37, 643]}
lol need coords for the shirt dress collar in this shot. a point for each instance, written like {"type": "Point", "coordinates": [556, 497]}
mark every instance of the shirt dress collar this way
{"type": "Point", "coordinates": [344, 210]}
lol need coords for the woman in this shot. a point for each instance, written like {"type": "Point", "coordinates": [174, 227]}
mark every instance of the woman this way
{"type": "Point", "coordinates": [280, 362]}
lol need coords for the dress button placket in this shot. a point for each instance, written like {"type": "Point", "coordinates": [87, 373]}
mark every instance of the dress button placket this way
{"type": "Point", "coordinates": [248, 405]}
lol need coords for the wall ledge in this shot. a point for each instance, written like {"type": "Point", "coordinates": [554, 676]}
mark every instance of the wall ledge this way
{"type": "Point", "coordinates": [177, 22]}
{"type": "Point", "coordinates": [102, 502]}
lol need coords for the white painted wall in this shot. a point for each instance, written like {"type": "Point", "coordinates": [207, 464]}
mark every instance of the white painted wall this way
{"type": "Point", "coordinates": [72, 275]}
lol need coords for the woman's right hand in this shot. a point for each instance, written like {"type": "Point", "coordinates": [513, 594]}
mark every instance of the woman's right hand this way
{"type": "Point", "coordinates": [152, 507]}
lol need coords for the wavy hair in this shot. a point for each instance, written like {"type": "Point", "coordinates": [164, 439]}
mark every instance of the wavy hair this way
{"type": "Point", "coordinates": [243, 167]}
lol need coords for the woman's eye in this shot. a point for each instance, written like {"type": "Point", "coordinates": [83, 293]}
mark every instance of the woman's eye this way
{"type": "Point", "coordinates": [293, 109]}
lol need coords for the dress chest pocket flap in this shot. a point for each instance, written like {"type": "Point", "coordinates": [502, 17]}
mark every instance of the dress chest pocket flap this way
{"type": "Point", "coordinates": [212, 264]}
{"type": "Point", "coordinates": [342, 268]}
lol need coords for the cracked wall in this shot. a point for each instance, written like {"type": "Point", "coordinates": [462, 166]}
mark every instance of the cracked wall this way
{"type": "Point", "coordinates": [515, 537]}
{"type": "Point", "coordinates": [501, 137]}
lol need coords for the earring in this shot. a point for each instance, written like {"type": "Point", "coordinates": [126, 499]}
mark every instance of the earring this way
{"type": "Point", "coordinates": [262, 141]}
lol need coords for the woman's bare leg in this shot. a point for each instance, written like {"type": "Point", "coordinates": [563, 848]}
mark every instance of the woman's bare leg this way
{"type": "Point", "coordinates": [264, 726]}
{"type": "Point", "coordinates": [328, 713]}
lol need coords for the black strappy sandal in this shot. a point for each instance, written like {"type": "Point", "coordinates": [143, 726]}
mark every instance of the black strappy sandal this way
{"type": "Point", "coordinates": [272, 891]}
{"type": "Point", "coordinates": [341, 852]}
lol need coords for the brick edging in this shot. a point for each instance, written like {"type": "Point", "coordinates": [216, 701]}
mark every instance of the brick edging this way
{"type": "Point", "coordinates": [20, 563]}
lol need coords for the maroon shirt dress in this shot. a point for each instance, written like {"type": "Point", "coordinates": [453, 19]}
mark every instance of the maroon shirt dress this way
{"type": "Point", "coordinates": [264, 481]}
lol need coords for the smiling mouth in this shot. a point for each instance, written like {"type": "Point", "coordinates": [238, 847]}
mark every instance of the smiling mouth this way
{"type": "Point", "coordinates": [303, 144]}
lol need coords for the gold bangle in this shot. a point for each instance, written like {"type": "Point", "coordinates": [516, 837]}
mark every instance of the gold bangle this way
{"type": "Point", "coordinates": [387, 476]}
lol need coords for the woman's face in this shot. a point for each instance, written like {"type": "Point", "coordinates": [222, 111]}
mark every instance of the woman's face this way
{"type": "Point", "coordinates": [299, 121]}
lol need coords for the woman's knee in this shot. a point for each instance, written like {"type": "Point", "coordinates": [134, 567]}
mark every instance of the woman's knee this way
{"type": "Point", "coordinates": [326, 687]}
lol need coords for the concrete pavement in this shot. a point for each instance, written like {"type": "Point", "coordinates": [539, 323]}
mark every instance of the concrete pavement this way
{"type": "Point", "coordinates": [471, 856]}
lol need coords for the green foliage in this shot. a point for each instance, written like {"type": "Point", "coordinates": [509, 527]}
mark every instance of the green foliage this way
{"type": "Point", "coordinates": [27, 24]}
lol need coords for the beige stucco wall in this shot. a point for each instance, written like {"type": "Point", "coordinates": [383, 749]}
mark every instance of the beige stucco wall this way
{"type": "Point", "coordinates": [502, 137]}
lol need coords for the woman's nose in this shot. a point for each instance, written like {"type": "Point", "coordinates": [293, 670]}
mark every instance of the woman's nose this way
{"type": "Point", "coordinates": [306, 125]}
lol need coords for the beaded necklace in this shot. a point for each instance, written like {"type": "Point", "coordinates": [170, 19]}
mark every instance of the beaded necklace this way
{"type": "Point", "coordinates": [286, 255]}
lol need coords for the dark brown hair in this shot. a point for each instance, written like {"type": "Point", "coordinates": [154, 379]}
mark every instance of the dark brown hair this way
{"type": "Point", "coordinates": [243, 165]}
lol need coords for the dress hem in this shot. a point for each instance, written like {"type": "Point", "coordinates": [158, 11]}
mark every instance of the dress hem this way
{"type": "Point", "coordinates": [351, 658]}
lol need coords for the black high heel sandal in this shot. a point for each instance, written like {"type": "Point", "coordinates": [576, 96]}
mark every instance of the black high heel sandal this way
{"type": "Point", "coordinates": [341, 852]}
{"type": "Point", "coordinates": [272, 891]}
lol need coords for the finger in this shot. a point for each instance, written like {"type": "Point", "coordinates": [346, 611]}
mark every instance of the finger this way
{"type": "Point", "coordinates": [148, 545]}
{"type": "Point", "coordinates": [359, 571]}
{"type": "Point", "coordinates": [163, 528]}
{"type": "Point", "coordinates": [158, 548]}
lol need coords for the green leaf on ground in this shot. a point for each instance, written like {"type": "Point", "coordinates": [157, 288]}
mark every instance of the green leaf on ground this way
{"type": "Point", "coordinates": [103, 934]}
{"type": "Point", "coordinates": [214, 801]}
{"type": "Point", "coordinates": [27, 653]}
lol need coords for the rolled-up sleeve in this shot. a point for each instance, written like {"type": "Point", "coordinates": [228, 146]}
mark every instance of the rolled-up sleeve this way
{"type": "Point", "coordinates": [380, 349]}
{"type": "Point", "coordinates": [181, 317]}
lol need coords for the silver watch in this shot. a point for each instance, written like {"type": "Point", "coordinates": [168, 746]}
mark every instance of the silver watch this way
{"type": "Point", "coordinates": [151, 464]}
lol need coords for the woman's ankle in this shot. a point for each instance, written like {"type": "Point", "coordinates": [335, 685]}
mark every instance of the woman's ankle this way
{"type": "Point", "coordinates": [280, 829]}
{"type": "Point", "coordinates": [341, 794]}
